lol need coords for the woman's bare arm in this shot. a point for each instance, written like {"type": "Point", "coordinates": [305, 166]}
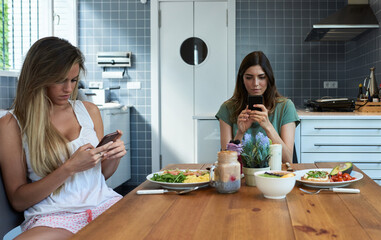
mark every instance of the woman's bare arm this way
{"type": "Point", "coordinates": [111, 157]}
{"type": "Point", "coordinates": [20, 192]}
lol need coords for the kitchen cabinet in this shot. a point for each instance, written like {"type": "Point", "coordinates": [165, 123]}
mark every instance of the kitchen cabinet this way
{"type": "Point", "coordinates": [207, 140]}
{"type": "Point", "coordinates": [341, 137]}
{"type": "Point", "coordinates": [113, 119]}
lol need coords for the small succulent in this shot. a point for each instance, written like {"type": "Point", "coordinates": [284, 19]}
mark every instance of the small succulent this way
{"type": "Point", "coordinates": [255, 154]}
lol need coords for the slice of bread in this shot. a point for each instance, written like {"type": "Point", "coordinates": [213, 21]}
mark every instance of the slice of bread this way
{"type": "Point", "coordinates": [308, 177]}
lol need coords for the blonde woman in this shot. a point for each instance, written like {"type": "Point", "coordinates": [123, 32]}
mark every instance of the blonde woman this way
{"type": "Point", "coordinates": [50, 167]}
{"type": "Point", "coordinates": [277, 117]}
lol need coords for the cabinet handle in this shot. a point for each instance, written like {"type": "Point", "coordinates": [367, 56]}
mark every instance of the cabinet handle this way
{"type": "Point", "coordinates": [338, 128]}
{"type": "Point", "coordinates": [345, 145]}
{"type": "Point", "coordinates": [118, 113]}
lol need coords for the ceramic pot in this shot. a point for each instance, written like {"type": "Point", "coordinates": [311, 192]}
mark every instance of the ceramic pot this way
{"type": "Point", "coordinates": [249, 175]}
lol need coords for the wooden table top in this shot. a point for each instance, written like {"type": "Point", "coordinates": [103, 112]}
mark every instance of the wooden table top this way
{"type": "Point", "coordinates": [206, 214]}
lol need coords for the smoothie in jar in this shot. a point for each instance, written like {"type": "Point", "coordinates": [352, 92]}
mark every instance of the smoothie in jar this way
{"type": "Point", "coordinates": [227, 172]}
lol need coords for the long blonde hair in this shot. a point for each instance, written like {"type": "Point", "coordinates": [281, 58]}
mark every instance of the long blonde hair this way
{"type": "Point", "coordinates": [48, 61]}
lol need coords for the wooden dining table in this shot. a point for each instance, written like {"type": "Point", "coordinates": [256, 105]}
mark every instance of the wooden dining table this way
{"type": "Point", "coordinates": [246, 214]}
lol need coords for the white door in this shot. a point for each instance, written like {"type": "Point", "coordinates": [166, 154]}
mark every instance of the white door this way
{"type": "Point", "coordinates": [208, 140]}
{"type": "Point", "coordinates": [192, 87]}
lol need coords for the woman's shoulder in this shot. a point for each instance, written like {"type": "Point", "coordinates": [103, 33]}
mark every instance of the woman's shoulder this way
{"type": "Point", "coordinates": [8, 120]}
{"type": "Point", "coordinates": [229, 104]}
{"type": "Point", "coordinates": [284, 102]}
{"type": "Point", "coordinates": [8, 126]}
{"type": "Point", "coordinates": [90, 107]}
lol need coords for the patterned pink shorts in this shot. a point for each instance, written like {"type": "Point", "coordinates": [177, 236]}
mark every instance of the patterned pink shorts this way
{"type": "Point", "coordinates": [72, 222]}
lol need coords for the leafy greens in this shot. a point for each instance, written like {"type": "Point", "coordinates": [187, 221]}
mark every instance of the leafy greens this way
{"type": "Point", "coordinates": [169, 178]}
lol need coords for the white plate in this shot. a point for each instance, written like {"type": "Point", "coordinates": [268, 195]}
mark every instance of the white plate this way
{"type": "Point", "coordinates": [177, 186]}
{"type": "Point", "coordinates": [301, 173]}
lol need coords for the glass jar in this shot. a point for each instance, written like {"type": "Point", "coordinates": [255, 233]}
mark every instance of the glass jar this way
{"type": "Point", "coordinates": [227, 172]}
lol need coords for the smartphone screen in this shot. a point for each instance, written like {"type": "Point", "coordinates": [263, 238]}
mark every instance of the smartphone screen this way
{"type": "Point", "coordinates": [108, 138]}
{"type": "Point", "coordinates": [258, 99]}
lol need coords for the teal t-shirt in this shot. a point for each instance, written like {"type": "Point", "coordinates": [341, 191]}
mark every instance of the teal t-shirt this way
{"type": "Point", "coordinates": [285, 112]}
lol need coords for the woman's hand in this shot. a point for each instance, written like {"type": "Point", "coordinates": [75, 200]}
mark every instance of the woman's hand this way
{"type": "Point", "coordinates": [86, 157]}
{"type": "Point", "coordinates": [112, 157]}
{"type": "Point", "coordinates": [261, 117]}
{"type": "Point", "coordinates": [244, 121]}
{"type": "Point", "coordinates": [115, 151]}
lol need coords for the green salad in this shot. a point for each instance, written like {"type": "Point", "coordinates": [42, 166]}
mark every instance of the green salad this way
{"type": "Point", "coordinates": [317, 174]}
{"type": "Point", "coordinates": [169, 178]}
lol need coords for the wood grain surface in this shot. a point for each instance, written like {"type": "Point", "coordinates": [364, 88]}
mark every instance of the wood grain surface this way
{"type": "Point", "coordinates": [206, 214]}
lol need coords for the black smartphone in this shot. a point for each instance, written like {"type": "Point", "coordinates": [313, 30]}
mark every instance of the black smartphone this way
{"type": "Point", "coordinates": [108, 138]}
{"type": "Point", "coordinates": [257, 99]}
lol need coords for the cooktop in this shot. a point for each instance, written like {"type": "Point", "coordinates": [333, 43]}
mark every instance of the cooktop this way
{"type": "Point", "coordinates": [331, 105]}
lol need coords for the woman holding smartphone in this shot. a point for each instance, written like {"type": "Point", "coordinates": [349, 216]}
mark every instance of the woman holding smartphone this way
{"type": "Point", "coordinates": [50, 167]}
{"type": "Point", "coordinates": [277, 117]}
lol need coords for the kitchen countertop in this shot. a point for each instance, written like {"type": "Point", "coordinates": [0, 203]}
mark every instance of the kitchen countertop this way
{"type": "Point", "coordinates": [112, 105]}
{"type": "Point", "coordinates": [303, 114]}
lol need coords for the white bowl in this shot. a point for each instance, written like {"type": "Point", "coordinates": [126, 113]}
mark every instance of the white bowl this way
{"type": "Point", "coordinates": [274, 188]}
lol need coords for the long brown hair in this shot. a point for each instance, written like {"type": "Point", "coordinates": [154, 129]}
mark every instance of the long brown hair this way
{"type": "Point", "coordinates": [238, 101]}
{"type": "Point", "coordinates": [48, 61]}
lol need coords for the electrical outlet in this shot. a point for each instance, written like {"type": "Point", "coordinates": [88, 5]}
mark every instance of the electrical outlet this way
{"type": "Point", "coordinates": [133, 85]}
{"type": "Point", "coordinates": [330, 84]}
{"type": "Point", "coordinates": [98, 85]}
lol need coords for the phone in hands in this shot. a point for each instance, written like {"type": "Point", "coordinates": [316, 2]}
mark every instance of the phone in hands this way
{"type": "Point", "coordinates": [108, 138]}
{"type": "Point", "coordinates": [257, 99]}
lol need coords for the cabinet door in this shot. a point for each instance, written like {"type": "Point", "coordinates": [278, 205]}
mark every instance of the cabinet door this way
{"type": "Point", "coordinates": [340, 157]}
{"type": "Point", "coordinates": [122, 173]}
{"type": "Point", "coordinates": [208, 140]}
{"type": "Point", "coordinates": [210, 77]}
{"type": "Point", "coordinates": [190, 88]}
{"type": "Point", "coordinates": [176, 82]}
{"type": "Point", "coordinates": [342, 127]}
{"type": "Point", "coordinates": [114, 119]}
{"type": "Point", "coordinates": [343, 144]}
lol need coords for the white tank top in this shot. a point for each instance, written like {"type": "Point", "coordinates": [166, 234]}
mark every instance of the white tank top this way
{"type": "Point", "coordinates": [82, 191]}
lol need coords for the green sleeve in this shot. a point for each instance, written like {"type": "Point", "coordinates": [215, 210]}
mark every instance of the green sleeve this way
{"type": "Point", "coordinates": [224, 114]}
{"type": "Point", "coordinates": [290, 114]}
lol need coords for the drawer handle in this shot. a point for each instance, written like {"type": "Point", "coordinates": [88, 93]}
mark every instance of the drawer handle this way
{"type": "Point", "coordinates": [338, 128]}
{"type": "Point", "coordinates": [118, 113]}
{"type": "Point", "coordinates": [345, 145]}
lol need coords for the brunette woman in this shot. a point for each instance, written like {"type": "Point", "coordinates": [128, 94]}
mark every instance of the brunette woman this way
{"type": "Point", "coordinates": [277, 117]}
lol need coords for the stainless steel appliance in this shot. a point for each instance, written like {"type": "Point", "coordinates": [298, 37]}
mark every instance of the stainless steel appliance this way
{"type": "Point", "coordinates": [97, 96]}
{"type": "Point", "coordinates": [347, 24]}
{"type": "Point", "coordinates": [331, 105]}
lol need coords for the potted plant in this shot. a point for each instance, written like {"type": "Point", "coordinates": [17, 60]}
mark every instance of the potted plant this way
{"type": "Point", "coordinates": [255, 156]}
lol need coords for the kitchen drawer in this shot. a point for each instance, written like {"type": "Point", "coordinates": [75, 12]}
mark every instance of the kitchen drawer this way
{"type": "Point", "coordinates": [378, 182]}
{"type": "Point", "coordinates": [345, 144]}
{"type": "Point", "coordinates": [373, 174]}
{"type": "Point", "coordinates": [372, 169]}
{"type": "Point", "coordinates": [354, 127]}
{"type": "Point", "coordinates": [341, 157]}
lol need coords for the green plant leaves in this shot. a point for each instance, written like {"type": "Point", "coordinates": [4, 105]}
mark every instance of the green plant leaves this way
{"type": "Point", "coordinates": [256, 155]}
{"type": "Point", "coordinates": [4, 32]}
